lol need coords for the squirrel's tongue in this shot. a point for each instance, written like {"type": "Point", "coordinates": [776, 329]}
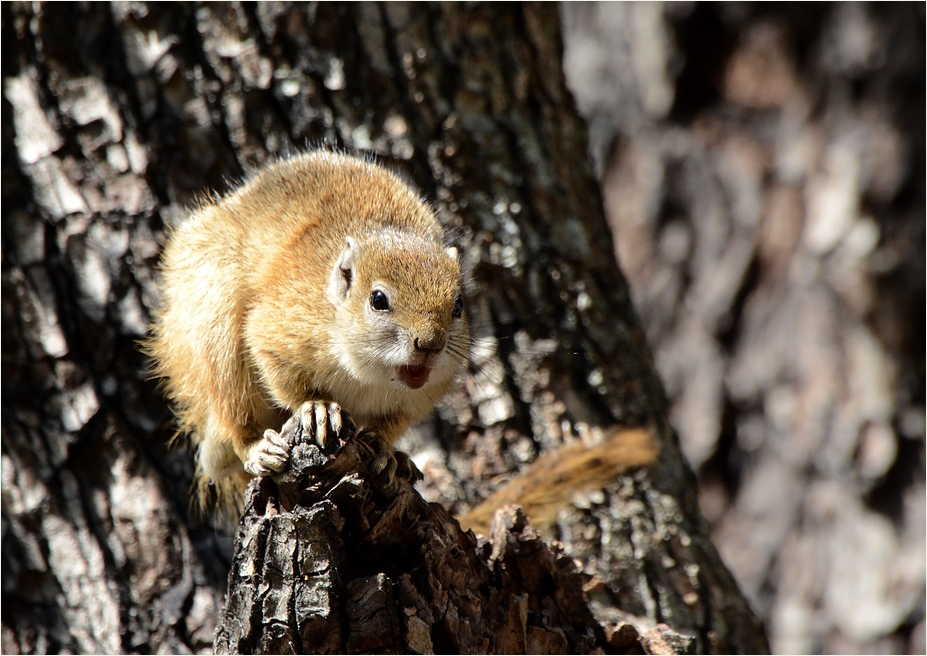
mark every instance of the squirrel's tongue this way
{"type": "Point", "coordinates": [414, 375]}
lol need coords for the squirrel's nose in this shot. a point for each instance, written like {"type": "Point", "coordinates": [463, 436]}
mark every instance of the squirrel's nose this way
{"type": "Point", "coordinates": [430, 343]}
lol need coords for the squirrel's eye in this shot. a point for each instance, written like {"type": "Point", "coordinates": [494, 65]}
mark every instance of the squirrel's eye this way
{"type": "Point", "coordinates": [378, 301]}
{"type": "Point", "coordinates": [458, 308]}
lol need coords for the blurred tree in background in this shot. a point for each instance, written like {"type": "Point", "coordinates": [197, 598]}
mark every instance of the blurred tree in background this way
{"type": "Point", "coordinates": [763, 170]}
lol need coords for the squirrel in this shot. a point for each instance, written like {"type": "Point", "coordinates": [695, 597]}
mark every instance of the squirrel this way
{"type": "Point", "coordinates": [322, 286]}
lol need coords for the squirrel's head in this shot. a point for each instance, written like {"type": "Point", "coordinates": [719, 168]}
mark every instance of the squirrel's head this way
{"type": "Point", "coordinates": [399, 309]}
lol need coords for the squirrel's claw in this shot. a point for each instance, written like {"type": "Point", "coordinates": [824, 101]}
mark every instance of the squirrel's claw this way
{"type": "Point", "coordinates": [389, 464]}
{"type": "Point", "coordinates": [384, 464]}
{"type": "Point", "coordinates": [320, 421]}
{"type": "Point", "coordinates": [269, 455]}
{"type": "Point", "coordinates": [315, 421]}
{"type": "Point", "coordinates": [406, 467]}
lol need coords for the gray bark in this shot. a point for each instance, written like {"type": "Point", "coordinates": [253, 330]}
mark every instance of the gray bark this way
{"type": "Point", "coordinates": [116, 116]}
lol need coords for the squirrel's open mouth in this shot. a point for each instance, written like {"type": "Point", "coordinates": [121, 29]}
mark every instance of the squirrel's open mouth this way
{"type": "Point", "coordinates": [414, 375]}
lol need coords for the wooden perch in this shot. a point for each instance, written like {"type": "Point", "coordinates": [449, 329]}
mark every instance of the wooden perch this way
{"type": "Point", "coordinates": [330, 560]}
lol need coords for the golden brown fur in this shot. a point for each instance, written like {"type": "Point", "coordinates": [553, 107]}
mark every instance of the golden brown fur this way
{"type": "Point", "coordinates": [552, 481]}
{"type": "Point", "coordinates": [268, 303]}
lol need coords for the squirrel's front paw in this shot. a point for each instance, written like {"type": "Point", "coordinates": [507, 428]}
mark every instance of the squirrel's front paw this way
{"type": "Point", "coordinates": [320, 422]}
{"type": "Point", "coordinates": [389, 464]}
{"type": "Point", "coordinates": [406, 468]}
{"type": "Point", "coordinates": [269, 455]}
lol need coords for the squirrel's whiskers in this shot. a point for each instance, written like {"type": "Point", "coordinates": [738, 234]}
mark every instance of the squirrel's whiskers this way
{"type": "Point", "coordinates": [323, 280]}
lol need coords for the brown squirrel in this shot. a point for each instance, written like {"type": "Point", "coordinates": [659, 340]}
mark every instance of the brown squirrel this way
{"type": "Point", "coordinates": [323, 285]}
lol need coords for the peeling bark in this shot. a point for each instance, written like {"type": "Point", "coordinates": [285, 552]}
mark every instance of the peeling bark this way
{"type": "Point", "coordinates": [328, 561]}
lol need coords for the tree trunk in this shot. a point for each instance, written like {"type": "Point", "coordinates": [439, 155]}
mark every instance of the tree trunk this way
{"type": "Point", "coordinates": [115, 118]}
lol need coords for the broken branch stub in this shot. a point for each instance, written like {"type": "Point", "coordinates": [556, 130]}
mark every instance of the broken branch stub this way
{"type": "Point", "coordinates": [330, 560]}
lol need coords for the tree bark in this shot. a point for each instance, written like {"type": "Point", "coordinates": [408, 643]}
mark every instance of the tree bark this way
{"type": "Point", "coordinates": [328, 561]}
{"type": "Point", "coordinates": [115, 117]}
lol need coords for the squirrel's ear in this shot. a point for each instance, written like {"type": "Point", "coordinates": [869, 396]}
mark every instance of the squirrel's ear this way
{"type": "Point", "coordinates": [452, 252]}
{"type": "Point", "coordinates": [342, 275]}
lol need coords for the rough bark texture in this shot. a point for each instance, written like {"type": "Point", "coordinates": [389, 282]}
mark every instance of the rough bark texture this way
{"type": "Point", "coordinates": [114, 118]}
{"type": "Point", "coordinates": [763, 173]}
{"type": "Point", "coordinates": [331, 562]}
